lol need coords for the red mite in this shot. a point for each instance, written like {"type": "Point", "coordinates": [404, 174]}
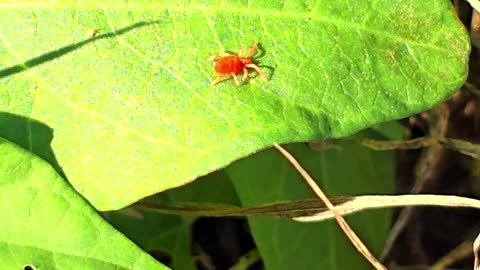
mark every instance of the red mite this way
{"type": "Point", "coordinates": [229, 65]}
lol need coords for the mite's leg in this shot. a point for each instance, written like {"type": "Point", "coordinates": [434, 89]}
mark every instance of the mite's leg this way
{"type": "Point", "coordinates": [245, 73]}
{"type": "Point", "coordinates": [257, 69]}
{"type": "Point", "coordinates": [235, 78]}
{"type": "Point", "coordinates": [217, 80]}
{"type": "Point", "coordinates": [252, 51]}
{"type": "Point", "coordinates": [213, 58]}
{"type": "Point", "coordinates": [217, 56]}
{"type": "Point", "coordinates": [240, 52]}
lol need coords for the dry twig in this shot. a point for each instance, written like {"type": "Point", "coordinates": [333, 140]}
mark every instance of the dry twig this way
{"type": "Point", "coordinates": [352, 236]}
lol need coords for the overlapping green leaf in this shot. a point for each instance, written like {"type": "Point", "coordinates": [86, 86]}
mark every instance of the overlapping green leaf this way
{"type": "Point", "coordinates": [45, 224]}
{"type": "Point", "coordinates": [172, 235]}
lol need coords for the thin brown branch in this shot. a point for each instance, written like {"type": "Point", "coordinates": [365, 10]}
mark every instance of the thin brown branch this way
{"type": "Point", "coordinates": [352, 236]}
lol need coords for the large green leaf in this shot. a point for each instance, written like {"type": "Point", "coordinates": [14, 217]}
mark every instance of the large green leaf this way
{"type": "Point", "coordinates": [125, 86]}
{"type": "Point", "coordinates": [45, 224]}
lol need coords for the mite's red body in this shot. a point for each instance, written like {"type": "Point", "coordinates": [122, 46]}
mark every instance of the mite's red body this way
{"type": "Point", "coordinates": [231, 65]}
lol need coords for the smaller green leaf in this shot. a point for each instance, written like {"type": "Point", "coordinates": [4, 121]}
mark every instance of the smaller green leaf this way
{"type": "Point", "coordinates": [342, 170]}
{"type": "Point", "coordinates": [45, 224]}
{"type": "Point", "coordinates": [172, 234]}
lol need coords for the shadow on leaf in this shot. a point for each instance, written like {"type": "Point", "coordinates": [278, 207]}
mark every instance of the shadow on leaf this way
{"type": "Point", "coordinates": [30, 134]}
{"type": "Point", "coordinates": [66, 49]}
